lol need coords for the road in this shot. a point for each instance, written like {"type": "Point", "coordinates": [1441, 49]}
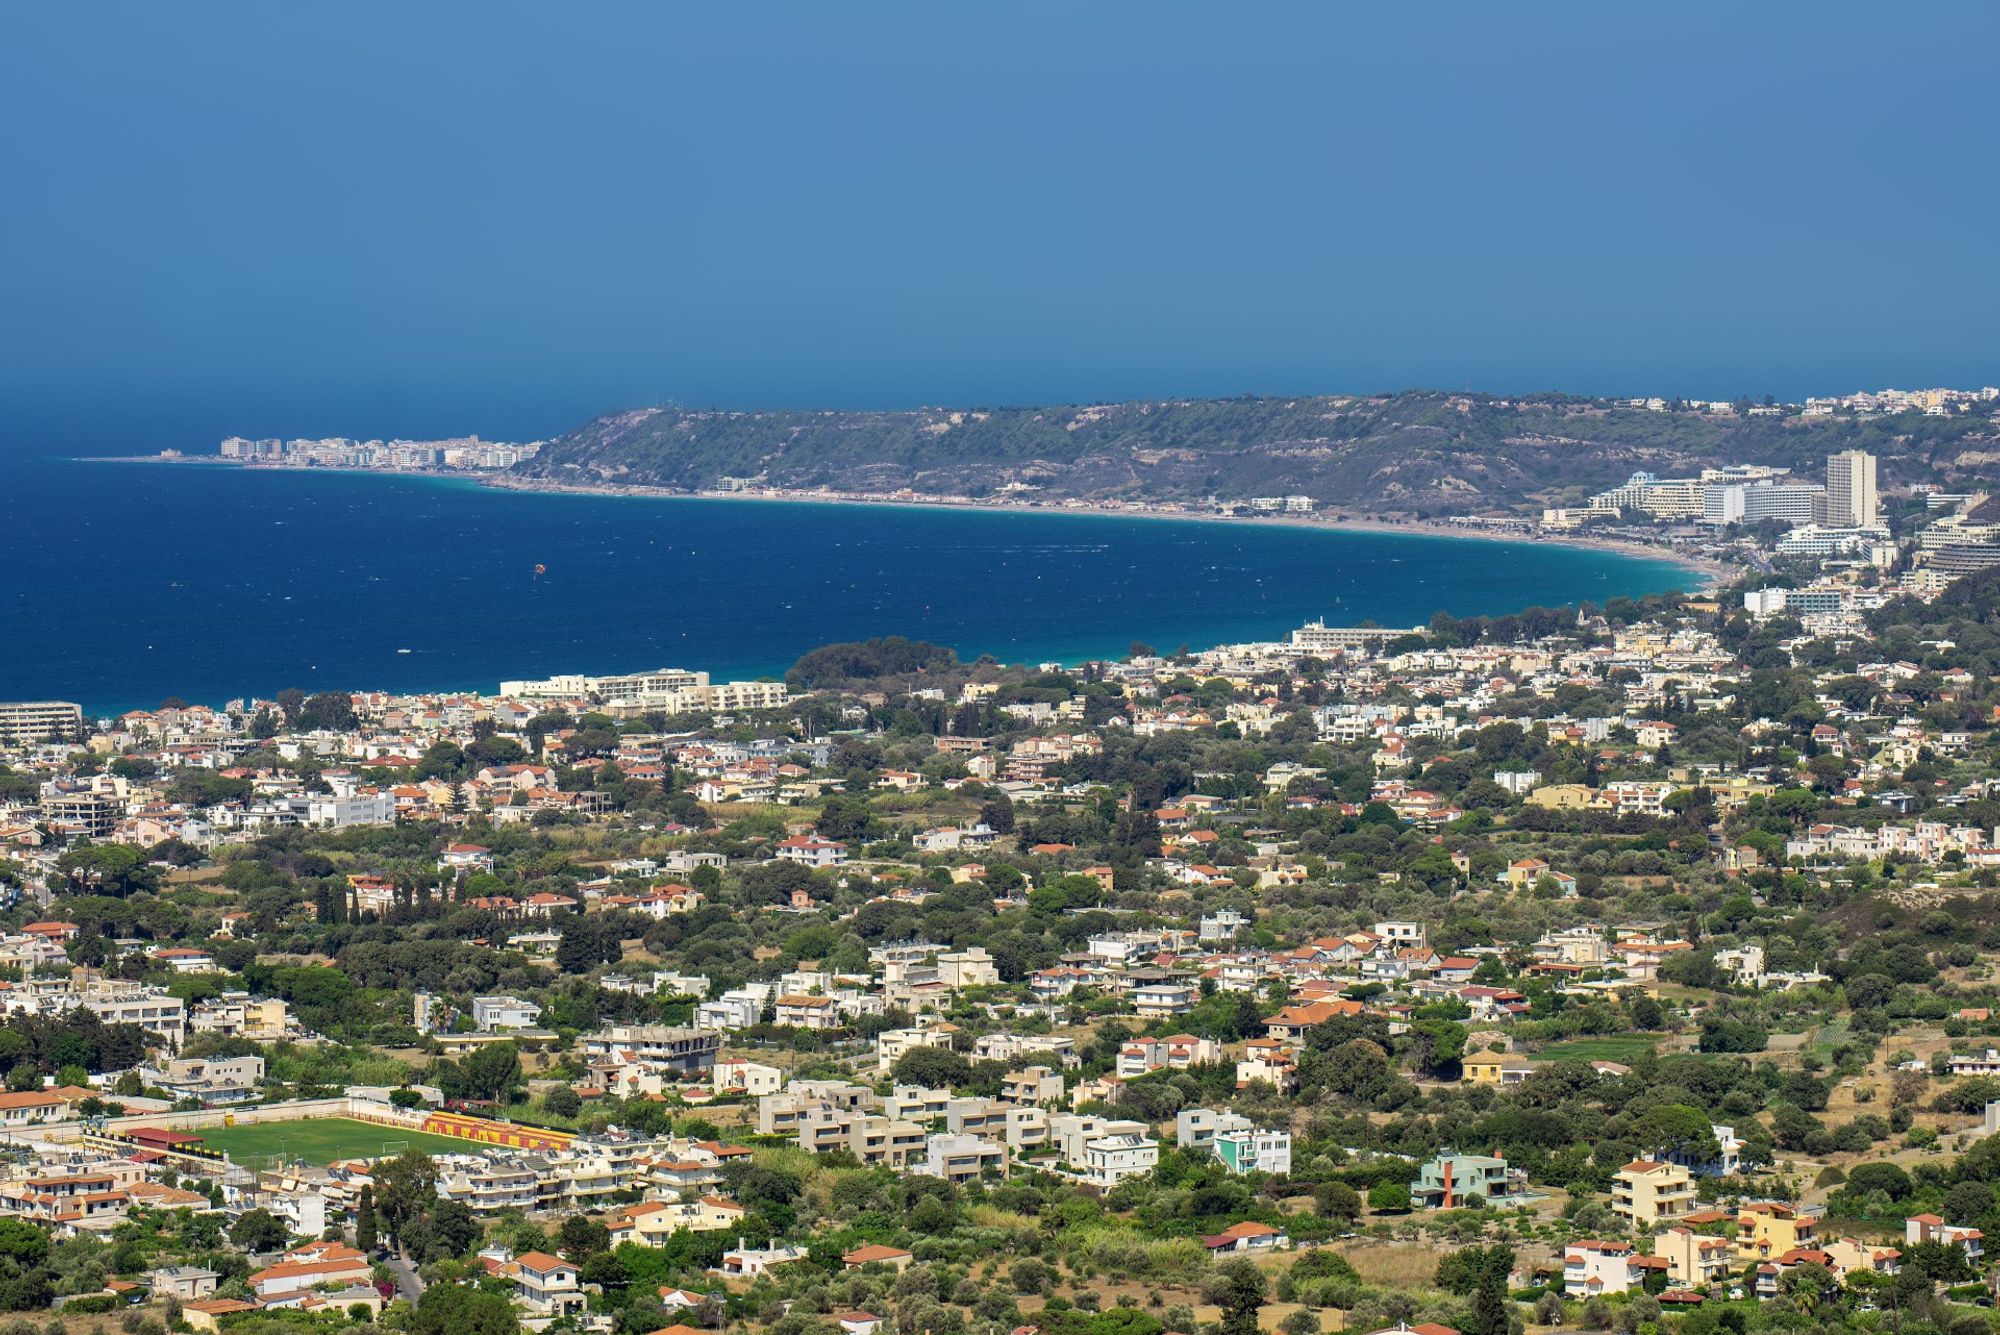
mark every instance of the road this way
{"type": "Point", "coordinates": [407, 1283]}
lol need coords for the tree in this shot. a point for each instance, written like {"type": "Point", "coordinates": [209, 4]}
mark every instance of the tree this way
{"type": "Point", "coordinates": [1238, 1289]}
{"type": "Point", "coordinates": [365, 1222]}
{"type": "Point", "coordinates": [1389, 1197]}
{"type": "Point", "coordinates": [1967, 1203]}
{"type": "Point", "coordinates": [1336, 1200]}
{"type": "Point", "coordinates": [1809, 1287]}
{"type": "Point", "coordinates": [491, 1072]}
{"type": "Point", "coordinates": [331, 710]}
{"type": "Point", "coordinates": [1461, 1271]}
{"type": "Point", "coordinates": [578, 949]}
{"type": "Point", "coordinates": [849, 819]}
{"type": "Point", "coordinates": [447, 1232]}
{"type": "Point", "coordinates": [1671, 1129]}
{"type": "Point", "coordinates": [1490, 1309]}
{"type": "Point", "coordinates": [933, 1068]}
{"type": "Point", "coordinates": [453, 1309]}
{"type": "Point", "coordinates": [259, 1231]}
{"type": "Point", "coordinates": [998, 814]}
{"type": "Point", "coordinates": [583, 1236]}
{"type": "Point", "coordinates": [406, 1189]}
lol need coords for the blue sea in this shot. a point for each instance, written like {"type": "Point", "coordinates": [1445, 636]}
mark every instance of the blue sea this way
{"type": "Point", "coordinates": [124, 584]}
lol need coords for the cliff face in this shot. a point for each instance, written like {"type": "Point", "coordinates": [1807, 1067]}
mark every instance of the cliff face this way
{"type": "Point", "coordinates": [1417, 453]}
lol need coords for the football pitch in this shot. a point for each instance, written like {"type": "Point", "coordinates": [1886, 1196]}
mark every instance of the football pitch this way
{"type": "Point", "coordinates": [321, 1140]}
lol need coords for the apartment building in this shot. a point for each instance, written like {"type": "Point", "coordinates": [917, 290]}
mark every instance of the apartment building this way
{"type": "Point", "coordinates": [1101, 1150]}
{"type": "Point", "coordinates": [779, 1114]}
{"type": "Point", "coordinates": [496, 1014]}
{"type": "Point", "coordinates": [40, 721]}
{"type": "Point", "coordinates": [1768, 1229]}
{"type": "Point", "coordinates": [1851, 499]}
{"type": "Point", "coordinates": [963, 1158]}
{"type": "Point", "coordinates": [977, 1117]}
{"type": "Point", "coordinates": [115, 1001]}
{"type": "Point", "coordinates": [689, 1052]}
{"type": "Point", "coordinates": [1693, 1259]}
{"type": "Point", "coordinates": [915, 1103]}
{"type": "Point", "coordinates": [1252, 1149]}
{"type": "Point", "coordinates": [1175, 1053]}
{"type": "Point", "coordinates": [239, 1015]}
{"type": "Point", "coordinates": [741, 1076]}
{"type": "Point", "coordinates": [1646, 1192]}
{"type": "Point", "coordinates": [1269, 1061]}
{"type": "Point", "coordinates": [210, 1080]}
{"type": "Point", "coordinates": [1031, 1085]}
{"type": "Point", "coordinates": [1930, 1228]}
{"type": "Point", "coordinates": [1592, 1268]}
{"type": "Point", "coordinates": [1850, 1257]}
{"type": "Point", "coordinates": [653, 1223]}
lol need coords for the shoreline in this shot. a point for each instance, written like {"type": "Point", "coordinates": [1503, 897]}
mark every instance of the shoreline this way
{"type": "Point", "coordinates": [1714, 575]}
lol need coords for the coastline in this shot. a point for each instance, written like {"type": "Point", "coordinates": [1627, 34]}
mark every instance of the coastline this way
{"type": "Point", "coordinates": [1713, 575]}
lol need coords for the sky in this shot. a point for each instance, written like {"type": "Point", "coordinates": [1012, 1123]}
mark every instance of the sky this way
{"type": "Point", "coordinates": [374, 218]}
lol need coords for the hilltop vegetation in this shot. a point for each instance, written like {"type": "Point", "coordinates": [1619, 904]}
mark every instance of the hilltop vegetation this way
{"type": "Point", "coordinates": [1420, 453]}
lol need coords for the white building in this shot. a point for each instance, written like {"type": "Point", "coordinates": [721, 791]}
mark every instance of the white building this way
{"type": "Point", "coordinates": [491, 1014]}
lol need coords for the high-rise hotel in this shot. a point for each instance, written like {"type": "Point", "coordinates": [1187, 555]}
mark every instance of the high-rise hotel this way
{"type": "Point", "coordinates": [1850, 490]}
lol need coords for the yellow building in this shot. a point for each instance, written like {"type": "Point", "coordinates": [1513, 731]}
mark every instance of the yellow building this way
{"type": "Point", "coordinates": [1495, 1068]}
{"type": "Point", "coordinates": [1567, 797]}
{"type": "Point", "coordinates": [1645, 1193]}
{"type": "Point", "coordinates": [1693, 1259]}
{"type": "Point", "coordinates": [1767, 1229]}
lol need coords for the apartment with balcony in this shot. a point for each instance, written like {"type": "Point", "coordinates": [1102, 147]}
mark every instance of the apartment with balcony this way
{"type": "Point", "coordinates": [1646, 1192]}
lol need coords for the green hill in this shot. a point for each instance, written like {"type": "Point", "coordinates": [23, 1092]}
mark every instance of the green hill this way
{"type": "Point", "coordinates": [1415, 453]}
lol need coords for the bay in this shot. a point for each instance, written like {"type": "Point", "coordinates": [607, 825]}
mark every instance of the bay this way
{"type": "Point", "coordinates": [125, 584]}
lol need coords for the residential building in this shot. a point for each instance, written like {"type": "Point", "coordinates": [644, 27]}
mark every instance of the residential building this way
{"type": "Point", "coordinates": [545, 1285]}
{"type": "Point", "coordinates": [1930, 1228]}
{"type": "Point", "coordinates": [1592, 1268]}
{"type": "Point", "coordinates": [1693, 1259]}
{"type": "Point", "coordinates": [1247, 1237]}
{"type": "Point", "coordinates": [1768, 1229]}
{"type": "Point", "coordinates": [1646, 1192]}
{"type": "Point", "coordinates": [1104, 1151]}
{"type": "Point", "coordinates": [1495, 1068]}
{"type": "Point", "coordinates": [493, 1014]}
{"type": "Point", "coordinates": [1254, 1150]}
{"type": "Point", "coordinates": [963, 1158]}
{"type": "Point", "coordinates": [1850, 1257]}
{"type": "Point", "coordinates": [1269, 1061]}
{"type": "Point", "coordinates": [1457, 1181]}
{"type": "Point", "coordinates": [40, 721]}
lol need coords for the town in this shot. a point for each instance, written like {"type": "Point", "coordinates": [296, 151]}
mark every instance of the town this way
{"type": "Point", "coordinates": [1605, 966]}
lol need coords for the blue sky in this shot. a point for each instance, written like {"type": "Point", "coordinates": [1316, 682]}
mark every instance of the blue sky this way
{"type": "Point", "coordinates": [375, 218]}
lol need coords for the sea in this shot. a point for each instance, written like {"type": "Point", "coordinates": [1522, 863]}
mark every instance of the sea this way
{"type": "Point", "coordinates": [126, 584]}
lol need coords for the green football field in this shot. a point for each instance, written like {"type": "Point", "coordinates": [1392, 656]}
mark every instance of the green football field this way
{"type": "Point", "coordinates": [321, 1140]}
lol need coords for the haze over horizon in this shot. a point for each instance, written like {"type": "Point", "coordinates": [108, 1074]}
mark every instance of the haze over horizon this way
{"type": "Point", "coordinates": [505, 218]}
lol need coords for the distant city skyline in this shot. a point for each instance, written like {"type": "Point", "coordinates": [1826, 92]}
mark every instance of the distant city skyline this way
{"type": "Point", "coordinates": [315, 220]}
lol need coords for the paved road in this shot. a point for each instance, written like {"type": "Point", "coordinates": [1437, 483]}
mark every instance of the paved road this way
{"type": "Point", "coordinates": [407, 1283]}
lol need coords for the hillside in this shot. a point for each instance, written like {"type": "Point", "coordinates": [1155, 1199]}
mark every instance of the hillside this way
{"type": "Point", "coordinates": [1414, 453]}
